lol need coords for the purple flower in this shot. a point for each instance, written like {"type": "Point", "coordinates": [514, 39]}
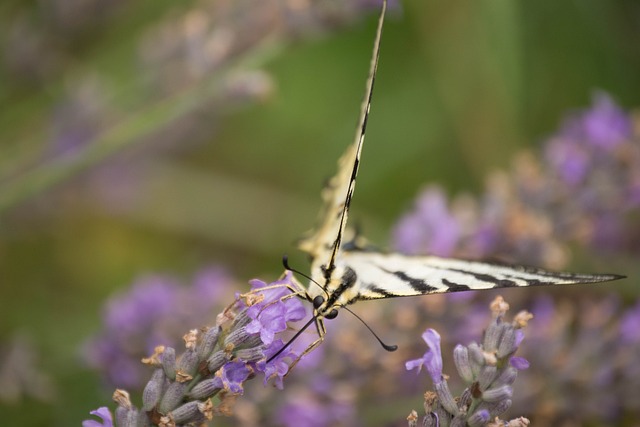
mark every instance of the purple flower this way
{"type": "Point", "coordinates": [154, 311]}
{"type": "Point", "coordinates": [304, 411]}
{"type": "Point", "coordinates": [276, 290]}
{"type": "Point", "coordinates": [520, 363]}
{"type": "Point", "coordinates": [104, 414]}
{"type": "Point", "coordinates": [606, 125]}
{"type": "Point", "coordinates": [323, 402]}
{"type": "Point", "coordinates": [278, 367]}
{"type": "Point", "coordinates": [233, 374]}
{"type": "Point", "coordinates": [585, 189]}
{"type": "Point", "coordinates": [432, 359]}
{"type": "Point", "coordinates": [271, 315]}
{"type": "Point", "coordinates": [308, 410]}
{"type": "Point", "coordinates": [431, 228]}
{"type": "Point", "coordinates": [569, 158]}
{"type": "Point", "coordinates": [630, 325]}
{"type": "Point", "coordinates": [267, 321]}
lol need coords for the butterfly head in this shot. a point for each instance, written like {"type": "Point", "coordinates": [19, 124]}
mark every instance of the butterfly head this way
{"type": "Point", "coordinates": [332, 290]}
{"type": "Point", "coordinates": [321, 309]}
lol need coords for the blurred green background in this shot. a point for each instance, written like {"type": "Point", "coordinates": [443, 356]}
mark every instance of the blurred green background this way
{"type": "Point", "coordinates": [152, 136]}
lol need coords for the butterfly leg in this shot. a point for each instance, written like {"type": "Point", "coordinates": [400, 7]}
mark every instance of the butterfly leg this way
{"type": "Point", "coordinates": [295, 288]}
{"type": "Point", "coordinates": [321, 334]}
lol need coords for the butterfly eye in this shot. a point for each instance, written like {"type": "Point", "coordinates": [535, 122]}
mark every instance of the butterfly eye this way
{"type": "Point", "coordinates": [318, 301]}
{"type": "Point", "coordinates": [332, 314]}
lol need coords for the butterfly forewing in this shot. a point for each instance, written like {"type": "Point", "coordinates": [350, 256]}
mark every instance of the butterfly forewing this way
{"type": "Point", "coordinates": [324, 243]}
{"type": "Point", "coordinates": [393, 275]}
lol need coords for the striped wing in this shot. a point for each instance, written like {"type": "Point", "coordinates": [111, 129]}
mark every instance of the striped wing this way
{"type": "Point", "coordinates": [324, 243]}
{"type": "Point", "coordinates": [394, 275]}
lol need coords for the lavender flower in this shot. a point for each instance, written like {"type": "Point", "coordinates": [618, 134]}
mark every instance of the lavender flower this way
{"type": "Point", "coordinates": [432, 228]}
{"type": "Point", "coordinates": [432, 359]}
{"type": "Point", "coordinates": [585, 190]}
{"type": "Point", "coordinates": [585, 342]}
{"type": "Point", "coordinates": [153, 311]}
{"type": "Point", "coordinates": [488, 369]}
{"type": "Point", "coordinates": [272, 319]}
{"type": "Point", "coordinates": [278, 367]}
{"type": "Point", "coordinates": [217, 361]}
{"type": "Point", "coordinates": [321, 402]}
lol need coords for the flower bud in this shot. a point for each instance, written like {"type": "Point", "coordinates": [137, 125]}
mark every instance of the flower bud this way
{"type": "Point", "coordinates": [487, 375]}
{"type": "Point", "coordinates": [497, 394]}
{"type": "Point", "coordinates": [458, 421]}
{"type": "Point", "coordinates": [122, 416]}
{"type": "Point", "coordinates": [153, 390]}
{"type": "Point", "coordinates": [461, 359]}
{"type": "Point", "coordinates": [493, 336]}
{"type": "Point", "coordinates": [507, 376]}
{"type": "Point", "coordinates": [430, 420]}
{"type": "Point", "coordinates": [241, 320]}
{"type": "Point", "coordinates": [208, 342]}
{"type": "Point", "coordinates": [188, 362]}
{"type": "Point", "coordinates": [172, 397]}
{"type": "Point", "coordinates": [508, 343]}
{"type": "Point", "coordinates": [250, 354]}
{"type": "Point", "coordinates": [446, 398]}
{"type": "Point", "coordinates": [237, 337]}
{"type": "Point", "coordinates": [502, 406]}
{"type": "Point", "coordinates": [206, 388]}
{"type": "Point", "coordinates": [169, 363]}
{"type": "Point", "coordinates": [476, 358]}
{"type": "Point", "coordinates": [186, 413]}
{"type": "Point", "coordinates": [479, 418]}
{"type": "Point", "coordinates": [216, 360]}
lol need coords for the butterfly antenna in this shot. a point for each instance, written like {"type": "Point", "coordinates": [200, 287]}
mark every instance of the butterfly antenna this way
{"type": "Point", "coordinates": [385, 346]}
{"type": "Point", "coordinates": [284, 347]}
{"type": "Point", "coordinates": [285, 264]}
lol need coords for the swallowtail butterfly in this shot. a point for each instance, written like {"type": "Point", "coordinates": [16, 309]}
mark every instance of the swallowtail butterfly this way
{"type": "Point", "coordinates": [345, 270]}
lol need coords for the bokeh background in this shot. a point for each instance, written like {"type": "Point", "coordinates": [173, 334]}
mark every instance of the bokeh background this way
{"type": "Point", "coordinates": [154, 137]}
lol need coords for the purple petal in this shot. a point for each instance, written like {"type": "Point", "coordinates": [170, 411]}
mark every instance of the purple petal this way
{"type": "Point", "coordinates": [295, 310]}
{"type": "Point", "coordinates": [278, 367]}
{"type": "Point", "coordinates": [520, 363]}
{"type": "Point", "coordinates": [630, 325]}
{"type": "Point", "coordinates": [233, 374]}
{"type": "Point", "coordinates": [519, 337]}
{"type": "Point", "coordinates": [104, 414]}
{"type": "Point", "coordinates": [569, 158]}
{"type": "Point", "coordinates": [415, 363]}
{"type": "Point", "coordinates": [432, 359]}
{"type": "Point", "coordinates": [429, 228]}
{"type": "Point", "coordinates": [606, 125]}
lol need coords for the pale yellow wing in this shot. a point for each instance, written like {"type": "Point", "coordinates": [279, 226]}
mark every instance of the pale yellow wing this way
{"type": "Point", "coordinates": [323, 243]}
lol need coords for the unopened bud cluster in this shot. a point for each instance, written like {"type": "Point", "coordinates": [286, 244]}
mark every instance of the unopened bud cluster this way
{"type": "Point", "coordinates": [488, 369]}
{"type": "Point", "coordinates": [203, 381]}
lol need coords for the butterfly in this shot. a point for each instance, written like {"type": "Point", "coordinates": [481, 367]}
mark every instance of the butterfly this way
{"type": "Point", "coordinates": [345, 269]}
